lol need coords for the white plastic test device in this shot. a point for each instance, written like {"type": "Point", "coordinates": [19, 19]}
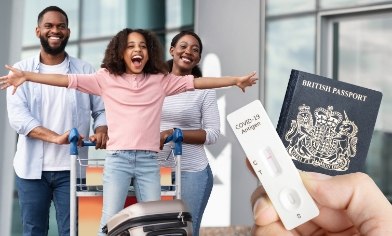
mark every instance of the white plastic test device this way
{"type": "Point", "coordinates": [273, 165]}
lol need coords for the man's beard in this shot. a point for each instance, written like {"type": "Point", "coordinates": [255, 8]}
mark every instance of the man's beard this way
{"type": "Point", "coordinates": [53, 51]}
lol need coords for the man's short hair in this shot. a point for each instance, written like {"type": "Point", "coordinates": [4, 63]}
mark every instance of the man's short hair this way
{"type": "Point", "coordinates": [51, 8]}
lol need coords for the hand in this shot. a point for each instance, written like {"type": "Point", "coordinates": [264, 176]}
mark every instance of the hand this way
{"type": "Point", "coordinates": [246, 80]}
{"type": "Point", "coordinates": [63, 139]}
{"type": "Point", "coordinates": [15, 78]}
{"type": "Point", "coordinates": [100, 139]}
{"type": "Point", "coordinates": [164, 135]}
{"type": "Point", "coordinates": [349, 205]}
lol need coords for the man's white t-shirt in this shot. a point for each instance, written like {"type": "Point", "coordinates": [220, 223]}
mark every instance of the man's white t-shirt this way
{"type": "Point", "coordinates": [55, 115]}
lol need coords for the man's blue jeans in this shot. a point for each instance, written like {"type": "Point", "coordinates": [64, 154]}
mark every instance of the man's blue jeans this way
{"type": "Point", "coordinates": [35, 196]}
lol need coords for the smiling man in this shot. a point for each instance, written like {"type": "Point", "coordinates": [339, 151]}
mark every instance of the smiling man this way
{"type": "Point", "coordinates": [42, 115]}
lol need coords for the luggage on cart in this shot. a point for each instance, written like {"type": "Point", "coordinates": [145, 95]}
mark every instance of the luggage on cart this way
{"type": "Point", "coordinates": [156, 218]}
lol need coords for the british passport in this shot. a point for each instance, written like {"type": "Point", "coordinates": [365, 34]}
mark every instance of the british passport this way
{"type": "Point", "coordinates": [326, 125]}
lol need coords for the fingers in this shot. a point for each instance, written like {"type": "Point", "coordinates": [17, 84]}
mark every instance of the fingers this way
{"type": "Point", "coordinates": [98, 143]}
{"type": "Point", "coordinates": [366, 206]}
{"type": "Point", "coordinates": [265, 216]}
{"type": "Point", "coordinates": [62, 139]}
{"type": "Point", "coordinates": [275, 228]}
{"type": "Point", "coordinates": [4, 79]}
{"type": "Point", "coordinates": [252, 74]}
{"type": "Point", "coordinates": [4, 82]}
{"type": "Point", "coordinates": [100, 140]}
{"type": "Point", "coordinates": [263, 211]}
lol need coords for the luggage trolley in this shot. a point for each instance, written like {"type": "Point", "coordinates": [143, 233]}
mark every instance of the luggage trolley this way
{"type": "Point", "coordinates": [177, 137]}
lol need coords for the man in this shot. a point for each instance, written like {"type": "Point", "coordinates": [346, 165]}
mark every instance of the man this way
{"type": "Point", "coordinates": [42, 115]}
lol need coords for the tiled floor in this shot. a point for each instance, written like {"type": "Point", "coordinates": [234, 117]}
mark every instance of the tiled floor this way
{"type": "Point", "coordinates": [226, 231]}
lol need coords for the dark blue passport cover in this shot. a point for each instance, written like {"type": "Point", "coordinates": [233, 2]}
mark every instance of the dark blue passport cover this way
{"type": "Point", "coordinates": [327, 125]}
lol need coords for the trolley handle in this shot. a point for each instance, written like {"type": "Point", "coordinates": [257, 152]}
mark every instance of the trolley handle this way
{"type": "Point", "coordinates": [177, 138]}
{"type": "Point", "coordinates": [84, 144]}
{"type": "Point", "coordinates": [73, 138]}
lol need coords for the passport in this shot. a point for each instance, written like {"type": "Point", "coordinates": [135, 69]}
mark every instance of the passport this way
{"type": "Point", "coordinates": [326, 125]}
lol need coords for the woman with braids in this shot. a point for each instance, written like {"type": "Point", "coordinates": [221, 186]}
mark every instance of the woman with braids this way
{"type": "Point", "coordinates": [133, 83]}
{"type": "Point", "coordinates": [196, 113]}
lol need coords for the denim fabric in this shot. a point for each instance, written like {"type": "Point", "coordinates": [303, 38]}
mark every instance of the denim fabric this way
{"type": "Point", "coordinates": [120, 168]}
{"type": "Point", "coordinates": [196, 188]}
{"type": "Point", "coordinates": [35, 196]}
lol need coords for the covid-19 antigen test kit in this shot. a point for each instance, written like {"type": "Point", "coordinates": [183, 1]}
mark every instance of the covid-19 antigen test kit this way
{"type": "Point", "coordinates": [273, 165]}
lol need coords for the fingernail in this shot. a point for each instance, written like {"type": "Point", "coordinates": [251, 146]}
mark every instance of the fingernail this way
{"type": "Point", "coordinates": [314, 175]}
{"type": "Point", "coordinates": [260, 205]}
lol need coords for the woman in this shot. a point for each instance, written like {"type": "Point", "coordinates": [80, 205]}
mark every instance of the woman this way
{"type": "Point", "coordinates": [196, 113]}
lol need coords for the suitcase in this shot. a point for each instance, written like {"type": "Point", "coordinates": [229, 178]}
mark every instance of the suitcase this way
{"type": "Point", "coordinates": [156, 218]}
{"type": "Point", "coordinates": [152, 219]}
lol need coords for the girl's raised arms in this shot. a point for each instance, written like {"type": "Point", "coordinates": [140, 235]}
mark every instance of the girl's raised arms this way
{"type": "Point", "coordinates": [18, 77]}
{"type": "Point", "coordinates": [241, 81]}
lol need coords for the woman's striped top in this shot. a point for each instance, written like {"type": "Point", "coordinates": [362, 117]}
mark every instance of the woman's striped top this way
{"type": "Point", "coordinates": [191, 110]}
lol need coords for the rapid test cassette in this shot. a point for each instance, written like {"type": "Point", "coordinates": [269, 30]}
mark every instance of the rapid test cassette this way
{"type": "Point", "coordinates": [273, 165]}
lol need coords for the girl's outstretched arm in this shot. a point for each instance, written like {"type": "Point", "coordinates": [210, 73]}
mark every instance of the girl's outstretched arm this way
{"type": "Point", "coordinates": [240, 81]}
{"type": "Point", "coordinates": [18, 77]}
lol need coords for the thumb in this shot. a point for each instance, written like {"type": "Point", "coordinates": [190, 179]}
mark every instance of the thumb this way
{"type": "Point", "coordinates": [9, 68]}
{"type": "Point", "coordinates": [351, 192]}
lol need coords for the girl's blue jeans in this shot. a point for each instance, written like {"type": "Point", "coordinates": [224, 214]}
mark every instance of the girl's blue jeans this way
{"type": "Point", "coordinates": [120, 168]}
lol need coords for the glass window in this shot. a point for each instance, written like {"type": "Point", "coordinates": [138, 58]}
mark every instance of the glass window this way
{"type": "Point", "coordinates": [146, 14]}
{"type": "Point", "coordinates": [326, 4]}
{"type": "Point", "coordinates": [179, 13]}
{"type": "Point", "coordinates": [33, 8]}
{"type": "Point", "coordinates": [169, 37]}
{"type": "Point", "coordinates": [93, 53]}
{"type": "Point", "coordinates": [277, 7]}
{"type": "Point", "coordinates": [290, 44]}
{"type": "Point", "coordinates": [29, 53]}
{"type": "Point", "coordinates": [72, 50]}
{"type": "Point", "coordinates": [363, 58]}
{"type": "Point", "coordinates": [102, 18]}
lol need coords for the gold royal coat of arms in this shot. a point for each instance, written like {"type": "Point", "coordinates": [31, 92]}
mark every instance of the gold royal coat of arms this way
{"type": "Point", "coordinates": [329, 143]}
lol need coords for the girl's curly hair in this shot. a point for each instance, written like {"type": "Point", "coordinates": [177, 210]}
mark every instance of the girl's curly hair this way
{"type": "Point", "coordinates": [114, 62]}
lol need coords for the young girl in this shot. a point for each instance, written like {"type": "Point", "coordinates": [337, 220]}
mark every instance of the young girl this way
{"type": "Point", "coordinates": [133, 83]}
